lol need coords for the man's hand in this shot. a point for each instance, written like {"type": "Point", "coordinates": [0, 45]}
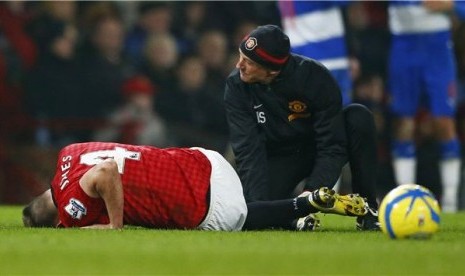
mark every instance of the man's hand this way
{"type": "Point", "coordinates": [102, 226]}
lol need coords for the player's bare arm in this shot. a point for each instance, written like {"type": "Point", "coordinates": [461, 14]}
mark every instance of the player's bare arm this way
{"type": "Point", "coordinates": [103, 181]}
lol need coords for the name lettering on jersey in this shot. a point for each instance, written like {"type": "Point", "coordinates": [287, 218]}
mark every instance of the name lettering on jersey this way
{"type": "Point", "coordinates": [298, 109]}
{"type": "Point", "coordinates": [75, 209]}
{"type": "Point", "coordinates": [261, 119]}
{"type": "Point", "coordinates": [119, 154]}
{"type": "Point", "coordinates": [65, 167]}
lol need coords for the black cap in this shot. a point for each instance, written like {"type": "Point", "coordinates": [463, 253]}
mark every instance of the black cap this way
{"type": "Point", "coordinates": [268, 46]}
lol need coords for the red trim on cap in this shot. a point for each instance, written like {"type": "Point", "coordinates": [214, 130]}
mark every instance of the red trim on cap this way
{"type": "Point", "coordinates": [269, 57]}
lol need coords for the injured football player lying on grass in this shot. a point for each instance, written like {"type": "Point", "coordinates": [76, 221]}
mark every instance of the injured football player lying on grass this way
{"type": "Point", "coordinates": [109, 185]}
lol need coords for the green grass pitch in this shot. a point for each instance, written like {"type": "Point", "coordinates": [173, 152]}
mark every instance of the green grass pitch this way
{"type": "Point", "coordinates": [337, 248]}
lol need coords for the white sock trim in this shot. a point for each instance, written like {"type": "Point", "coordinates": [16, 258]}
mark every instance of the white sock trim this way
{"type": "Point", "coordinates": [404, 170]}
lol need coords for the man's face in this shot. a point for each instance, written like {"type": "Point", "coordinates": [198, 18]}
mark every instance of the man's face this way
{"type": "Point", "coordinates": [252, 72]}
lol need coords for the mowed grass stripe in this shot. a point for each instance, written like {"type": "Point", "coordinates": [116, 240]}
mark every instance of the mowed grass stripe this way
{"type": "Point", "coordinates": [335, 249]}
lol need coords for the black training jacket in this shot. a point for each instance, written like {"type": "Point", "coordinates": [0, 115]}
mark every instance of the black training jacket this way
{"type": "Point", "coordinates": [301, 109]}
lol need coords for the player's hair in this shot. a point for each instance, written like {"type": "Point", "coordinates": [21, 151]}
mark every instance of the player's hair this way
{"type": "Point", "coordinates": [39, 214]}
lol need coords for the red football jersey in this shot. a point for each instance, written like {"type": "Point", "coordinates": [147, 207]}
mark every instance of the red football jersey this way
{"type": "Point", "coordinates": [163, 188]}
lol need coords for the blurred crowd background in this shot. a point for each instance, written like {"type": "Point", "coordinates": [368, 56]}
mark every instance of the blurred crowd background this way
{"type": "Point", "coordinates": [153, 73]}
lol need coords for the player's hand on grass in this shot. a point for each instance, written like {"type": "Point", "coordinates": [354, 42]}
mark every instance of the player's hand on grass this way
{"type": "Point", "coordinates": [102, 226]}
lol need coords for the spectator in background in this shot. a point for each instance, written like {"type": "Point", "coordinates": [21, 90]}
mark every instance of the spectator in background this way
{"type": "Point", "coordinates": [154, 18]}
{"type": "Point", "coordinates": [91, 11]}
{"type": "Point", "coordinates": [316, 30]}
{"type": "Point", "coordinates": [49, 11]}
{"type": "Point", "coordinates": [212, 48]}
{"type": "Point", "coordinates": [193, 115]}
{"type": "Point", "coordinates": [103, 66]}
{"type": "Point", "coordinates": [190, 24]}
{"type": "Point", "coordinates": [160, 59]}
{"type": "Point", "coordinates": [65, 11]}
{"type": "Point", "coordinates": [226, 15]}
{"type": "Point", "coordinates": [368, 35]}
{"type": "Point", "coordinates": [53, 87]}
{"type": "Point", "coordinates": [16, 42]}
{"type": "Point", "coordinates": [420, 29]}
{"type": "Point", "coordinates": [135, 122]}
{"type": "Point", "coordinates": [18, 53]}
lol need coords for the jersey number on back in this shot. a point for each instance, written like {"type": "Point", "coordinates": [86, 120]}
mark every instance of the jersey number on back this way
{"type": "Point", "coordinates": [118, 154]}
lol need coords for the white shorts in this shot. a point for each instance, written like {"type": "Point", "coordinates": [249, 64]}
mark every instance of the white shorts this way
{"type": "Point", "coordinates": [228, 209]}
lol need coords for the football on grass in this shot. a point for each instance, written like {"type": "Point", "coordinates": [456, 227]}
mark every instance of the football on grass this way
{"type": "Point", "coordinates": [409, 211]}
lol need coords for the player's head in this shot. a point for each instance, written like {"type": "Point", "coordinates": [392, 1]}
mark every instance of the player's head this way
{"type": "Point", "coordinates": [41, 212]}
{"type": "Point", "coordinates": [263, 53]}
